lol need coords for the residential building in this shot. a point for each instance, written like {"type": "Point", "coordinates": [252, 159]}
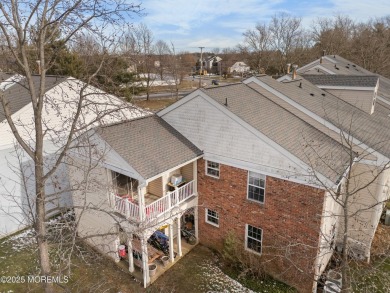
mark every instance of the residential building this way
{"type": "Point", "coordinates": [17, 184]}
{"type": "Point", "coordinates": [263, 162]}
{"type": "Point", "coordinates": [130, 192]}
{"type": "Point", "coordinates": [239, 67]}
{"type": "Point", "coordinates": [255, 178]}
{"type": "Point", "coordinates": [211, 64]}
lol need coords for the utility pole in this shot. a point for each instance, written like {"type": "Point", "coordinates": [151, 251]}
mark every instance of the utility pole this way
{"type": "Point", "coordinates": [201, 66]}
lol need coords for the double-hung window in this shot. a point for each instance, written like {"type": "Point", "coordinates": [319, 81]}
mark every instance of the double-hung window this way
{"type": "Point", "coordinates": [212, 169]}
{"type": "Point", "coordinates": [254, 237]}
{"type": "Point", "coordinates": [212, 217]}
{"type": "Point", "coordinates": [256, 187]}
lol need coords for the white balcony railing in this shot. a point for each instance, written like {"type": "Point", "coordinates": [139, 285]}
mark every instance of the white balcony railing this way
{"type": "Point", "coordinates": [155, 209]}
{"type": "Point", "coordinates": [124, 206]}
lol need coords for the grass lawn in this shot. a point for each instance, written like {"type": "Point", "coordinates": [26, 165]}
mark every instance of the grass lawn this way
{"type": "Point", "coordinates": [91, 272]}
{"type": "Point", "coordinates": [372, 278]}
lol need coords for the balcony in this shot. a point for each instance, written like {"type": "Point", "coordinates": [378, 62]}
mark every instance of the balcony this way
{"type": "Point", "coordinates": [154, 206]}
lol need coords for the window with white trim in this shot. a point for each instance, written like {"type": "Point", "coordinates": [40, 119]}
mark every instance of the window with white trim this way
{"type": "Point", "coordinates": [212, 169]}
{"type": "Point", "coordinates": [212, 217]}
{"type": "Point", "coordinates": [256, 187]}
{"type": "Point", "coordinates": [254, 237]}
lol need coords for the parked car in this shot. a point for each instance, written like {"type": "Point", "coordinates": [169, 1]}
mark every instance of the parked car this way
{"type": "Point", "coordinates": [215, 82]}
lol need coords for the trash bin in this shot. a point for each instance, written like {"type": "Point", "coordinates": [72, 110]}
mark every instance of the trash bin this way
{"type": "Point", "coordinates": [122, 251]}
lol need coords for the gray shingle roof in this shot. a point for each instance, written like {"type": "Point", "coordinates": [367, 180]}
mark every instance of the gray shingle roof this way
{"type": "Point", "coordinates": [149, 144]}
{"type": "Point", "coordinates": [304, 141]}
{"type": "Point", "coordinates": [346, 67]}
{"type": "Point", "coordinates": [342, 80]}
{"type": "Point", "coordinates": [19, 96]}
{"type": "Point", "coordinates": [372, 130]}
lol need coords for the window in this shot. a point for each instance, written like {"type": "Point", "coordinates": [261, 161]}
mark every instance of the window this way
{"type": "Point", "coordinates": [254, 238]}
{"type": "Point", "coordinates": [212, 169]}
{"type": "Point", "coordinates": [256, 187]}
{"type": "Point", "coordinates": [212, 217]}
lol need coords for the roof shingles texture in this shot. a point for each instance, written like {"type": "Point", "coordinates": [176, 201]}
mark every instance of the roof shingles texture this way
{"type": "Point", "coordinates": [346, 67]}
{"type": "Point", "coordinates": [150, 145]}
{"type": "Point", "coordinates": [18, 95]}
{"type": "Point", "coordinates": [307, 143]}
{"type": "Point", "coordinates": [373, 130]}
{"type": "Point", "coordinates": [342, 80]}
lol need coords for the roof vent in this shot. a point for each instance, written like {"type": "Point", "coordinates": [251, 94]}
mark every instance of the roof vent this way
{"type": "Point", "coordinates": [226, 103]}
{"type": "Point", "coordinates": [323, 95]}
{"type": "Point", "coordinates": [300, 84]}
{"type": "Point", "coordinates": [312, 94]}
{"type": "Point", "coordinates": [335, 66]}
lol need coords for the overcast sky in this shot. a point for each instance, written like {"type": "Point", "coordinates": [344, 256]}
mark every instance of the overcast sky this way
{"type": "Point", "coordinates": [220, 23]}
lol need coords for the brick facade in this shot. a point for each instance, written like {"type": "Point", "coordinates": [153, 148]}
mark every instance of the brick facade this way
{"type": "Point", "coordinates": [291, 214]}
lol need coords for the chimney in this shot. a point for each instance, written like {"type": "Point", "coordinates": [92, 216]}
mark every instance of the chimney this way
{"type": "Point", "coordinates": [322, 57]}
{"type": "Point", "coordinates": [39, 66]}
{"type": "Point", "coordinates": [294, 72]}
{"type": "Point", "coordinates": [288, 67]}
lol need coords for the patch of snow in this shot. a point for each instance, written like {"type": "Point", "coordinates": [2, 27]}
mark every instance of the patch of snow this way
{"type": "Point", "coordinates": [221, 282]}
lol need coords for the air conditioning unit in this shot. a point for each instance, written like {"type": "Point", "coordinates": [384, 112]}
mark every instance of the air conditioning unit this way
{"type": "Point", "coordinates": [333, 282]}
{"type": "Point", "coordinates": [331, 287]}
{"type": "Point", "coordinates": [176, 179]}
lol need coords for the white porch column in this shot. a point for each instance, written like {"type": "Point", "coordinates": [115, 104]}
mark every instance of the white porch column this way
{"type": "Point", "coordinates": [171, 254]}
{"type": "Point", "coordinates": [116, 247]}
{"type": "Point", "coordinates": [195, 175]}
{"type": "Point", "coordinates": [141, 201]}
{"type": "Point", "coordinates": [130, 251]}
{"type": "Point", "coordinates": [145, 264]}
{"type": "Point", "coordinates": [179, 236]}
{"type": "Point", "coordinates": [196, 219]}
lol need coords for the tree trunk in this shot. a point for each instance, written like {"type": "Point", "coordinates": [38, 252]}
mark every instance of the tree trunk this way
{"type": "Point", "coordinates": [346, 282]}
{"type": "Point", "coordinates": [40, 227]}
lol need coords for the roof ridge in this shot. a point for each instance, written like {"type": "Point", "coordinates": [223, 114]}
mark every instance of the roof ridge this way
{"type": "Point", "coordinates": [127, 120]}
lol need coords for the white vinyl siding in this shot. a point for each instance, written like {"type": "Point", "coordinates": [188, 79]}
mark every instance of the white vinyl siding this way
{"type": "Point", "coordinates": [212, 217]}
{"type": "Point", "coordinates": [256, 187]}
{"type": "Point", "coordinates": [253, 238]}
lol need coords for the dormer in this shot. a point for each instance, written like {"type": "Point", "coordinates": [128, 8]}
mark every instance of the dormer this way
{"type": "Point", "coordinates": [357, 90]}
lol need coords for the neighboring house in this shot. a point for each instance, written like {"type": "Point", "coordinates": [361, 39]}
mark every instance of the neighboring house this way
{"type": "Point", "coordinates": [131, 194]}
{"type": "Point", "coordinates": [213, 64]}
{"type": "Point", "coordinates": [239, 67]}
{"type": "Point", "coordinates": [210, 64]}
{"type": "Point", "coordinates": [255, 178]}
{"type": "Point", "coordinates": [337, 65]}
{"type": "Point", "coordinates": [17, 191]}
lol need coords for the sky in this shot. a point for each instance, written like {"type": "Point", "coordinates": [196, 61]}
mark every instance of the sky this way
{"type": "Point", "coordinates": [221, 23]}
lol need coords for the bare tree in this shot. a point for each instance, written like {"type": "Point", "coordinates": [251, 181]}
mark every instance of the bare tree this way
{"type": "Point", "coordinates": [334, 35]}
{"type": "Point", "coordinates": [162, 54]}
{"type": "Point", "coordinates": [47, 18]}
{"type": "Point", "coordinates": [140, 42]}
{"type": "Point", "coordinates": [285, 33]}
{"type": "Point", "coordinates": [256, 46]}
